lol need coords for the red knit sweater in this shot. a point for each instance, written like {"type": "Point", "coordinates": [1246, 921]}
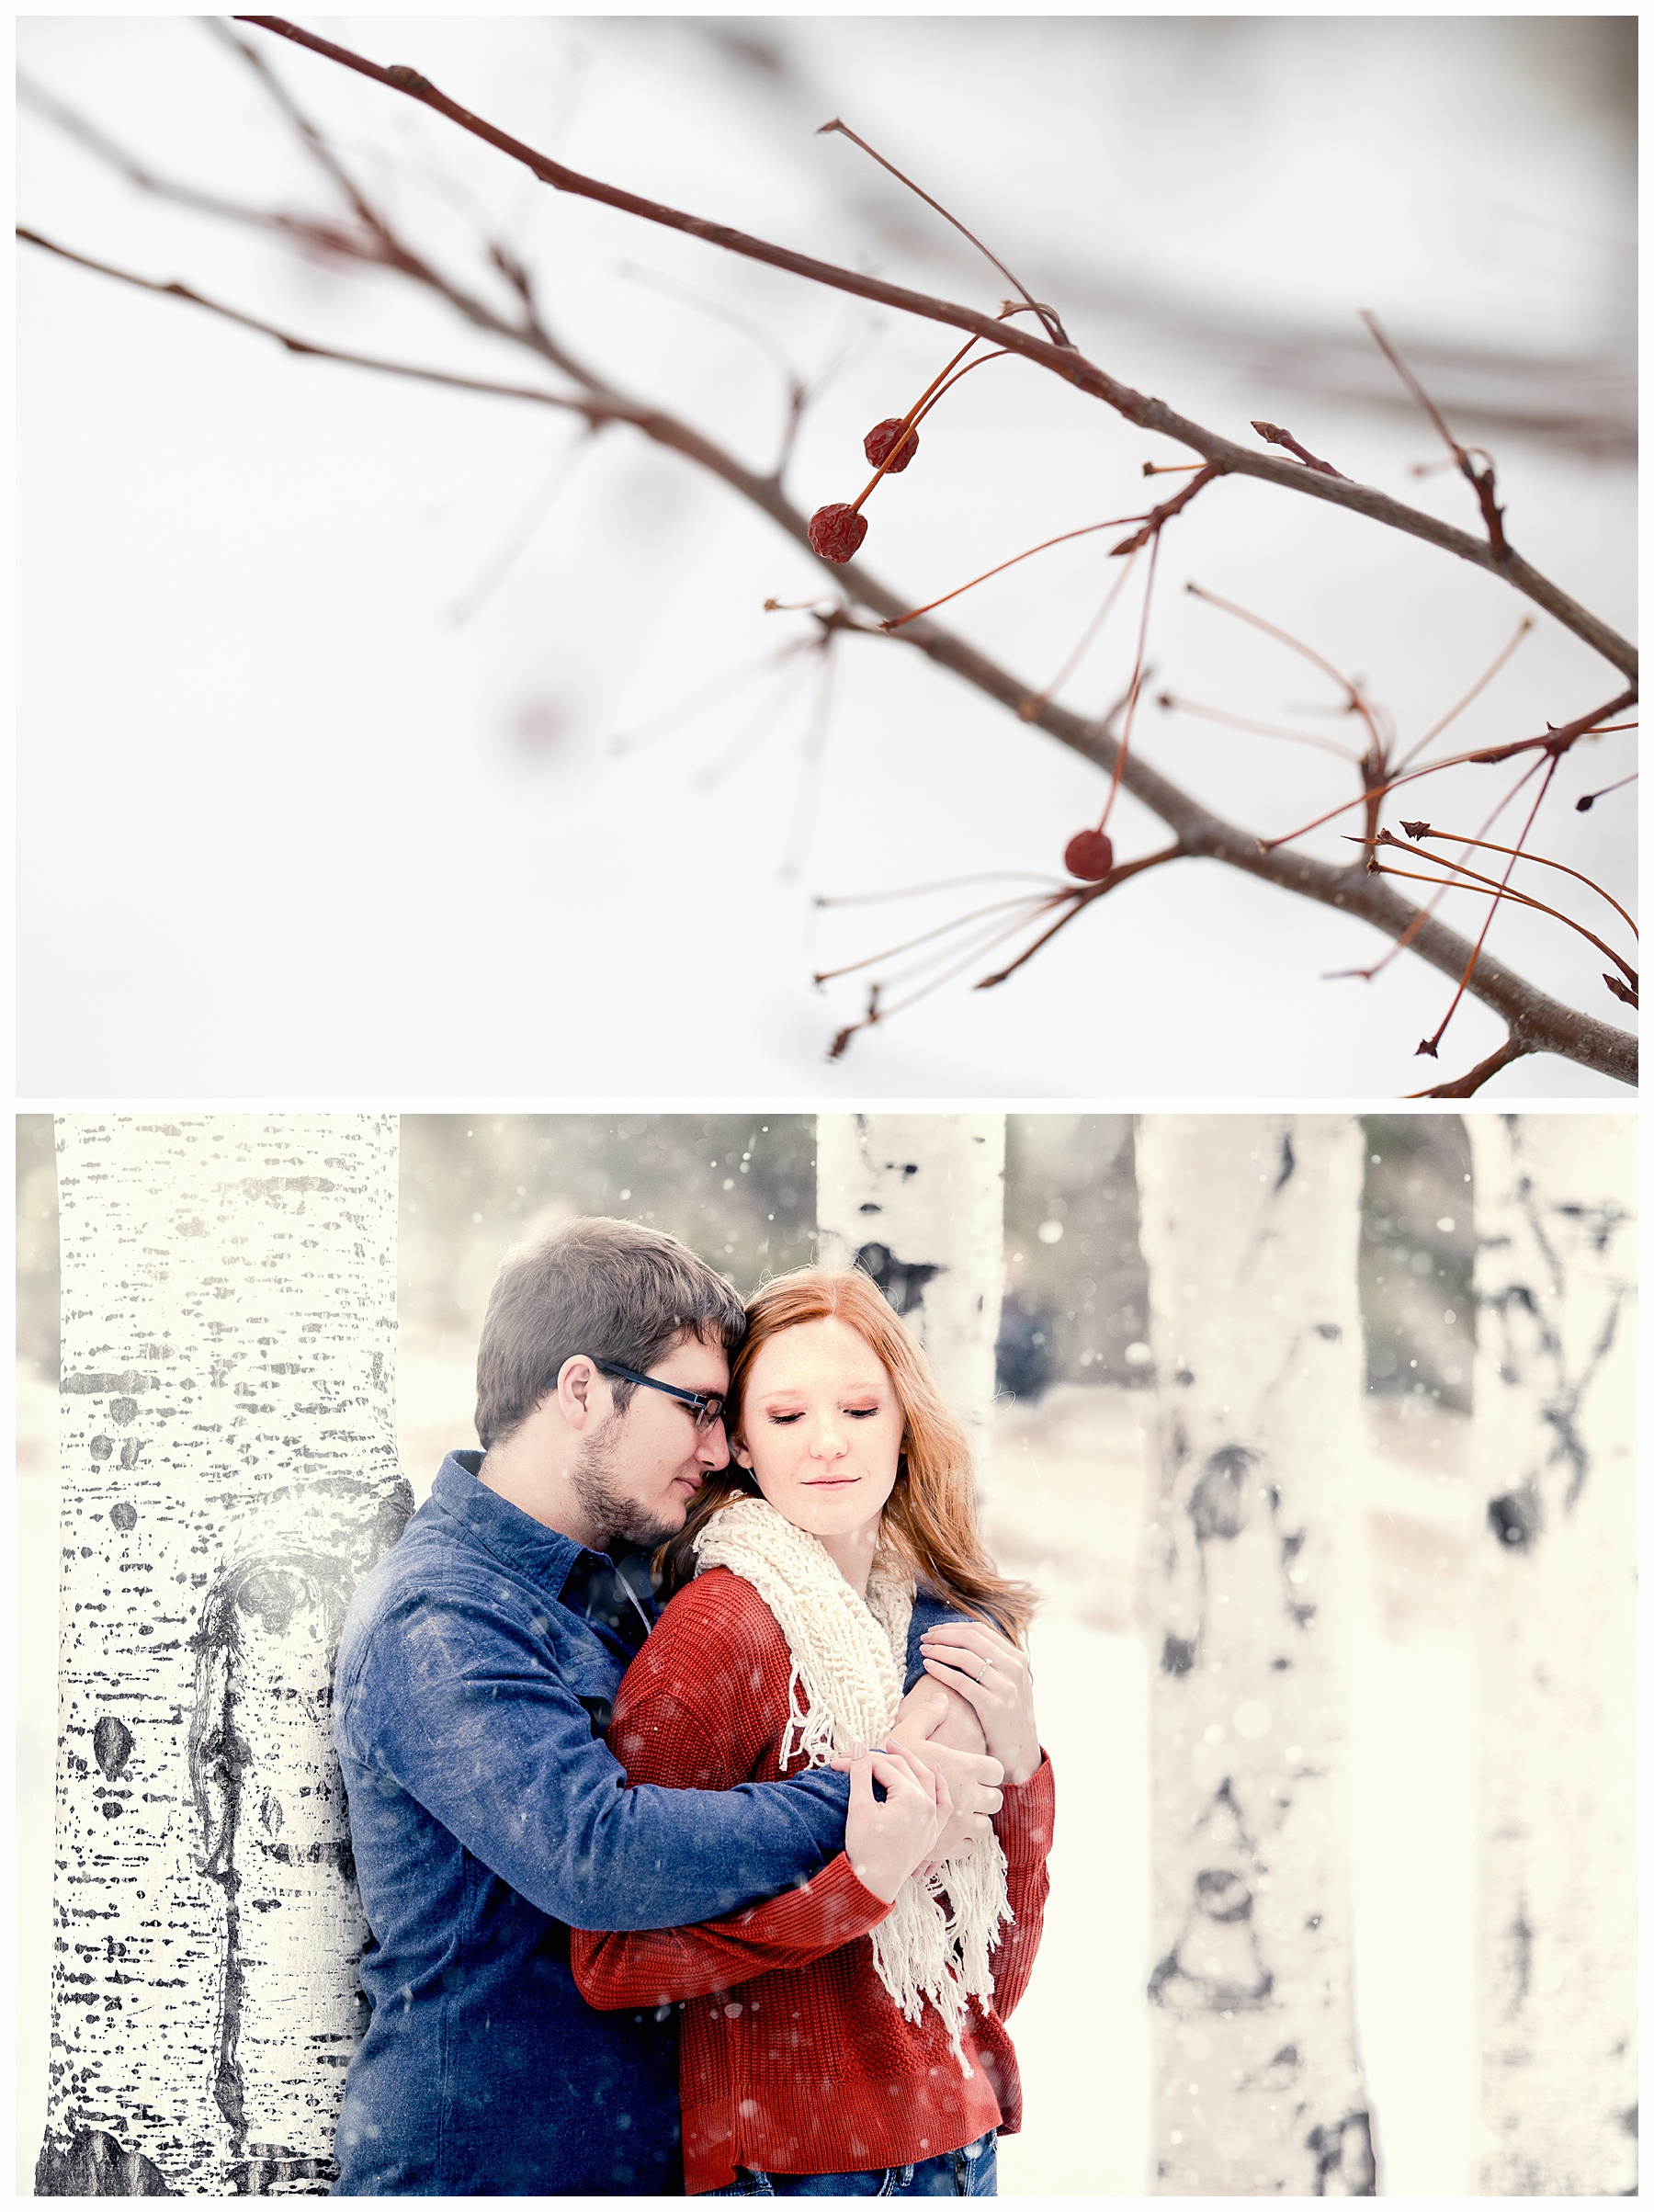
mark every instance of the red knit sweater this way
{"type": "Point", "coordinates": [795, 2058]}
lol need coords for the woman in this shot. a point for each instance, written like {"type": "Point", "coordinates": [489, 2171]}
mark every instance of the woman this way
{"type": "Point", "coordinates": [848, 2039]}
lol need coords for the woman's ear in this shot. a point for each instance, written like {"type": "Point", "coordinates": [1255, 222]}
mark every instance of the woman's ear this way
{"type": "Point", "coordinates": [740, 1454]}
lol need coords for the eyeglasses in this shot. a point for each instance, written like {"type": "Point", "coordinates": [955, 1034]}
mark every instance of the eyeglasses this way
{"type": "Point", "coordinates": [707, 1410]}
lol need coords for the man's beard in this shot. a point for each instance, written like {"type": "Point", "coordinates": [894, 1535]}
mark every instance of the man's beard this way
{"type": "Point", "coordinates": [607, 1508]}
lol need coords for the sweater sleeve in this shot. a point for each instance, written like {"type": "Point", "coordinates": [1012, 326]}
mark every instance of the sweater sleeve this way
{"type": "Point", "coordinates": [451, 1701]}
{"type": "Point", "coordinates": [704, 1700]}
{"type": "Point", "coordinates": [1024, 1825]}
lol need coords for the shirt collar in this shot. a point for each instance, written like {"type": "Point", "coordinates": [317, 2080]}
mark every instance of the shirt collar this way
{"type": "Point", "coordinates": [584, 1580]}
{"type": "Point", "coordinates": [513, 1537]}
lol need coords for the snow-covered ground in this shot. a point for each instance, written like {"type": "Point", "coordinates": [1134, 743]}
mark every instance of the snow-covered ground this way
{"type": "Point", "coordinates": [1066, 1489]}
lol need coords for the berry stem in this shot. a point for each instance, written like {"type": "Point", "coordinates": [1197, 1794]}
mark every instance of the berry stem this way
{"type": "Point", "coordinates": [1136, 684]}
{"type": "Point", "coordinates": [1539, 859]}
{"type": "Point", "coordinates": [1054, 329]}
{"type": "Point", "coordinates": [1113, 522]}
{"type": "Point", "coordinates": [1080, 900]}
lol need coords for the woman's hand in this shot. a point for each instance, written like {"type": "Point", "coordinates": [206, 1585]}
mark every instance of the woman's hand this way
{"type": "Point", "coordinates": [992, 1675]}
{"type": "Point", "coordinates": [884, 1841]}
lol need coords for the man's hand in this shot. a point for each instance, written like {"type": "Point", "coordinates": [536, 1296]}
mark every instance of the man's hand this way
{"type": "Point", "coordinates": [972, 1785]}
{"type": "Point", "coordinates": [884, 1841]}
{"type": "Point", "coordinates": [993, 1676]}
{"type": "Point", "coordinates": [931, 1713]}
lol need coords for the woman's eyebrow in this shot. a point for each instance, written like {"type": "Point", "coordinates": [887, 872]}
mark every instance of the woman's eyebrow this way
{"type": "Point", "coordinates": [799, 1390]}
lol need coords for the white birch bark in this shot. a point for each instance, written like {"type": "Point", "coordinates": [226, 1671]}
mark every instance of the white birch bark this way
{"type": "Point", "coordinates": [919, 1201]}
{"type": "Point", "coordinates": [1556, 1382]}
{"type": "Point", "coordinates": [229, 1470]}
{"type": "Point", "coordinates": [1249, 1228]}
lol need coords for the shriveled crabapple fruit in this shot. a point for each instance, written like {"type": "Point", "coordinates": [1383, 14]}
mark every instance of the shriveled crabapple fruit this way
{"type": "Point", "coordinates": [882, 436]}
{"type": "Point", "coordinates": [836, 532]}
{"type": "Point", "coordinates": [1089, 855]}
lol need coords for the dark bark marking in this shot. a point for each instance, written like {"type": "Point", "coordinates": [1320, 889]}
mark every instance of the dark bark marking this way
{"type": "Point", "coordinates": [1289, 1162]}
{"type": "Point", "coordinates": [1517, 1519]}
{"type": "Point", "coordinates": [93, 2164]}
{"type": "Point", "coordinates": [1602, 1222]}
{"type": "Point", "coordinates": [1521, 1939]}
{"type": "Point", "coordinates": [273, 2166]}
{"type": "Point", "coordinates": [99, 1386]}
{"type": "Point", "coordinates": [123, 1515]}
{"type": "Point", "coordinates": [268, 1591]}
{"type": "Point", "coordinates": [1177, 1655]}
{"type": "Point", "coordinates": [1217, 1501]}
{"type": "Point", "coordinates": [1344, 2164]}
{"type": "Point", "coordinates": [268, 1186]}
{"type": "Point", "coordinates": [111, 1746]}
{"type": "Point", "coordinates": [903, 1281]}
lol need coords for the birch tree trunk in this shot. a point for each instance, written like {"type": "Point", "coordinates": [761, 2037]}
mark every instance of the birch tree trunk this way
{"type": "Point", "coordinates": [228, 1471]}
{"type": "Point", "coordinates": [1249, 1227]}
{"type": "Point", "coordinates": [1555, 1383]}
{"type": "Point", "coordinates": [918, 1200]}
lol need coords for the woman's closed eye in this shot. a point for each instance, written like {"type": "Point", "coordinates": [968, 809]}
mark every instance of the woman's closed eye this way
{"type": "Point", "coordinates": [855, 1413]}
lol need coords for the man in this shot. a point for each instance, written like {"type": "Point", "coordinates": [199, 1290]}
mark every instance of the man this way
{"type": "Point", "coordinates": [476, 1675]}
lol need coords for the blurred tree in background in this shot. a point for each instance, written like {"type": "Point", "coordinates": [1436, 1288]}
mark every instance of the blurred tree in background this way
{"type": "Point", "coordinates": [740, 1190]}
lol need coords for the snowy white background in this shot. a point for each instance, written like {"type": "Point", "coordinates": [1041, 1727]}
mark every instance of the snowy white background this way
{"type": "Point", "coordinates": [287, 828]}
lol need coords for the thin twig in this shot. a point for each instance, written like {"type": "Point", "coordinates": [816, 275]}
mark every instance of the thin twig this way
{"type": "Point", "coordinates": [1417, 829]}
{"type": "Point", "coordinates": [1045, 316]}
{"type": "Point", "coordinates": [1487, 887]}
{"type": "Point", "coordinates": [1086, 531]}
{"type": "Point", "coordinates": [1481, 685]}
{"type": "Point", "coordinates": [1479, 480]}
{"type": "Point", "coordinates": [1091, 892]}
{"type": "Point", "coordinates": [1428, 1044]}
{"type": "Point", "coordinates": [1468, 1085]}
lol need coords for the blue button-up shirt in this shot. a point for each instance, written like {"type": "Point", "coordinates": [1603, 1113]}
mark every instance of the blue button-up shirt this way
{"type": "Point", "coordinates": [476, 1674]}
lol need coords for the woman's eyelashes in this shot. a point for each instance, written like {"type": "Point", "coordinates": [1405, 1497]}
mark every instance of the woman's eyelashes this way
{"type": "Point", "coordinates": [854, 1413]}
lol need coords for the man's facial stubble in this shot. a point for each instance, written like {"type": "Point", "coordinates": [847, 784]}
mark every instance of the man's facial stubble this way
{"type": "Point", "coordinates": [596, 1481]}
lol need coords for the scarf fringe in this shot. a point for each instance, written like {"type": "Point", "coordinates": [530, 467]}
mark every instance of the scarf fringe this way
{"type": "Point", "coordinates": [848, 1658]}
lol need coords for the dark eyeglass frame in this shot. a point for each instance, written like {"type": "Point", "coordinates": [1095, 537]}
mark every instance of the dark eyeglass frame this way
{"type": "Point", "coordinates": [707, 1410]}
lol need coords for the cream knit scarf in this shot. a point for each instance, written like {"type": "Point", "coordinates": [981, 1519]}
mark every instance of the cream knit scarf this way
{"type": "Point", "coordinates": [850, 1658]}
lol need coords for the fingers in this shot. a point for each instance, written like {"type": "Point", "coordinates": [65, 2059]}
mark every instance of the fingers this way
{"type": "Point", "coordinates": [971, 1636]}
{"type": "Point", "coordinates": [896, 1768]}
{"type": "Point", "coordinates": [861, 1778]}
{"type": "Point", "coordinates": [984, 1697]}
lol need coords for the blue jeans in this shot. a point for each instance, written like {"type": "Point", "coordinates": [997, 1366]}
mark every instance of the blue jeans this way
{"type": "Point", "coordinates": [973, 2172]}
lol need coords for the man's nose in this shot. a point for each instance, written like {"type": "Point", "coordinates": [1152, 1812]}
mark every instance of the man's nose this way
{"type": "Point", "coordinates": [713, 1450]}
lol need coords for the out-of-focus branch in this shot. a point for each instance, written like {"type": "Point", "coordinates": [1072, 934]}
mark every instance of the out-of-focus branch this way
{"type": "Point", "coordinates": [1147, 414]}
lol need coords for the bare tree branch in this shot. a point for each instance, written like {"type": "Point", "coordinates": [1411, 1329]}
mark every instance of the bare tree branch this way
{"type": "Point", "coordinates": [1536, 1022]}
{"type": "Point", "coordinates": [1147, 414]}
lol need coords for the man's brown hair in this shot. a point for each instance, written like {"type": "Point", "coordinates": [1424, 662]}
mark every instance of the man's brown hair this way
{"type": "Point", "coordinates": [608, 1288]}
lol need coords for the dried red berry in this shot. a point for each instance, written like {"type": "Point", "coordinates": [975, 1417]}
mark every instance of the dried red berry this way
{"type": "Point", "coordinates": [836, 532]}
{"type": "Point", "coordinates": [1089, 855]}
{"type": "Point", "coordinates": [883, 435]}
